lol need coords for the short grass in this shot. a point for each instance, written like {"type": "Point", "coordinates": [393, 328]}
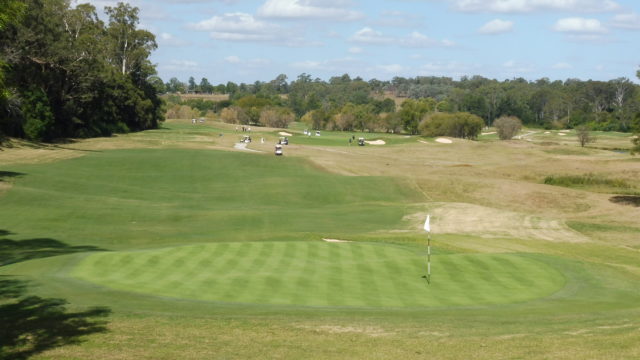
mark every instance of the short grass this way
{"type": "Point", "coordinates": [321, 274]}
{"type": "Point", "coordinates": [126, 198]}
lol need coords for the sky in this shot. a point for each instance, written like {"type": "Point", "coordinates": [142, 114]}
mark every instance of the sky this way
{"type": "Point", "coordinates": [251, 40]}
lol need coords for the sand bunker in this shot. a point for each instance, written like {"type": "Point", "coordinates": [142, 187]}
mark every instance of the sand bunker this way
{"type": "Point", "coordinates": [489, 133]}
{"type": "Point", "coordinates": [336, 241]}
{"type": "Point", "coordinates": [376, 142]}
{"type": "Point", "coordinates": [562, 134]}
{"type": "Point", "coordinates": [444, 141]}
{"type": "Point", "coordinates": [282, 133]}
{"type": "Point", "coordinates": [463, 218]}
{"type": "Point", "coordinates": [547, 132]}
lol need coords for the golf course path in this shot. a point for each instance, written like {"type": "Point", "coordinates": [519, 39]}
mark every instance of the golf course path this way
{"type": "Point", "coordinates": [243, 146]}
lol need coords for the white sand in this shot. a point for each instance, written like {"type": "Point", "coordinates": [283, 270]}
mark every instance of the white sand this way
{"type": "Point", "coordinates": [376, 142]}
{"type": "Point", "coordinates": [489, 133]}
{"type": "Point", "coordinates": [562, 134]}
{"type": "Point", "coordinates": [336, 241]}
{"type": "Point", "coordinates": [547, 132]}
{"type": "Point", "coordinates": [444, 141]}
{"type": "Point", "coordinates": [282, 133]}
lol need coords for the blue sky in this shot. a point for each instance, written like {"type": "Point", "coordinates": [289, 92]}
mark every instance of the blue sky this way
{"type": "Point", "coordinates": [249, 40]}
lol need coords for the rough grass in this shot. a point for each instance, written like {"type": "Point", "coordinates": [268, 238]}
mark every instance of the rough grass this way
{"type": "Point", "coordinates": [585, 181]}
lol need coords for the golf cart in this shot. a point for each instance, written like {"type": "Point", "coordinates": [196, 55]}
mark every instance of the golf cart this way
{"type": "Point", "coordinates": [284, 141]}
{"type": "Point", "coordinates": [360, 141]}
{"type": "Point", "coordinates": [246, 139]}
{"type": "Point", "coordinates": [317, 133]}
{"type": "Point", "coordinates": [278, 150]}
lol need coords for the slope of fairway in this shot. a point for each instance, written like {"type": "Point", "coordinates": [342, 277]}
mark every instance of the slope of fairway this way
{"type": "Point", "coordinates": [321, 274]}
{"type": "Point", "coordinates": [122, 198]}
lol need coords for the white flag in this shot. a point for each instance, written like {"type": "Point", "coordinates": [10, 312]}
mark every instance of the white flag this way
{"type": "Point", "coordinates": [427, 227]}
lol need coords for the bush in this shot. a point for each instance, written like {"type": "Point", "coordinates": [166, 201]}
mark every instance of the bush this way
{"type": "Point", "coordinates": [234, 115]}
{"type": "Point", "coordinates": [276, 117]}
{"type": "Point", "coordinates": [507, 127]}
{"type": "Point", "coordinates": [38, 118]}
{"type": "Point", "coordinates": [461, 125]}
{"type": "Point", "coordinates": [584, 136]}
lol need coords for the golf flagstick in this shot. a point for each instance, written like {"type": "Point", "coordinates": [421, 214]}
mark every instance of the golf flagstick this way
{"type": "Point", "coordinates": [427, 228]}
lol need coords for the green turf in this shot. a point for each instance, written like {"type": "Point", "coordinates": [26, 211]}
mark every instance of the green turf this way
{"type": "Point", "coordinates": [321, 274]}
{"type": "Point", "coordinates": [123, 198]}
{"type": "Point", "coordinates": [217, 255]}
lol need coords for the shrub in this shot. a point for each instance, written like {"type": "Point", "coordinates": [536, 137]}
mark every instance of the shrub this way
{"type": "Point", "coordinates": [234, 115]}
{"type": "Point", "coordinates": [461, 125]}
{"type": "Point", "coordinates": [276, 117]}
{"type": "Point", "coordinates": [584, 136]}
{"type": "Point", "coordinates": [507, 127]}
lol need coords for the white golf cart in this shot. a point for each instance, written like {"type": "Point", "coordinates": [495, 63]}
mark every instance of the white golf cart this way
{"type": "Point", "coordinates": [278, 150]}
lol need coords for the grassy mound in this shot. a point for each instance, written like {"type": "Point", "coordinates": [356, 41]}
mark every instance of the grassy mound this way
{"type": "Point", "coordinates": [118, 199]}
{"type": "Point", "coordinates": [321, 274]}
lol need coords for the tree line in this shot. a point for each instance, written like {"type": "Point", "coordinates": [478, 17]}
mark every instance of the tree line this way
{"type": "Point", "coordinates": [343, 103]}
{"type": "Point", "coordinates": [67, 73]}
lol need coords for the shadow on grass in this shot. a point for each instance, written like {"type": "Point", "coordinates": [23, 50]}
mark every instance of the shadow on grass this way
{"type": "Point", "coordinates": [9, 174]}
{"type": "Point", "coordinates": [30, 325]}
{"type": "Point", "coordinates": [13, 251]}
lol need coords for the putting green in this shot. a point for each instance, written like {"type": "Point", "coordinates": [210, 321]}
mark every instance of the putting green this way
{"type": "Point", "coordinates": [321, 274]}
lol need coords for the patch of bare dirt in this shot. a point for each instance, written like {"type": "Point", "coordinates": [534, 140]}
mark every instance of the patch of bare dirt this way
{"type": "Point", "coordinates": [463, 218]}
{"type": "Point", "coordinates": [372, 331]}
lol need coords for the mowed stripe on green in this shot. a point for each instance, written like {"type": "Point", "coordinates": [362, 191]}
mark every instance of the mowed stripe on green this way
{"type": "Point", "coordinates": [321, 274]}
{"type": "Point", "coordinates": [146, 197]}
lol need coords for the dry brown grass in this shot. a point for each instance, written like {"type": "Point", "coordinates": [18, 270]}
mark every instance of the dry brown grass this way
{"type": "Point", "coordinates": [493, 180]}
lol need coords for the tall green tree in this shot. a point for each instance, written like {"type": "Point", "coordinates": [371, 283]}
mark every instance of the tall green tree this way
{"type": "Point", "coordinates": [129, 47]}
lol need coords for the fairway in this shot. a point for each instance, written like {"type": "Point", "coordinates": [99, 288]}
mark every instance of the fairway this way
{"type": "Point", "coordinates": [321, 274]}
{"type": "Point", "coordinates": [145, 197]}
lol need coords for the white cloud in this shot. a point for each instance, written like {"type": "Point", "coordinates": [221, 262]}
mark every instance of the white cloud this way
{"type": "Point", "coordinates": [232, 59]}
{"type": "Point", "coordinates": [496, 26]}
{"type": "Point", "coordinates": [418, 40]}
{"type": "Point", "coordinates": [398, 19]}
{"type": "Point", "coordinates": [368, 35]}
{"type": "Point", "coordinates": [451, 68]}
{"type": "Point", "coordinates": [562, 66]}
{"type": "Point", "coordinates": [391, 68]}
{"type": "Point", "coordinates": [166, 39]}
{"type": "Point", "coordinates": [247, 63]}
{"type": "Point", "coordinates": [526, 6]}
{"type": "Point", "coordinates": [308, 9]}
{"type": "Point", "coordinates": [342, 65]}
{"type": "Point", "coordinates": [180, 65]}
{"type": "Point", "coordinates": [356, 50]}
{"type": "Point", "coordinates": [245, 27]}
{"type": "Point", "coordinates": [234, 23]}
{"type": "Point", "coordinates": [517, 68]}
{"type": "Point", "coordinates": [578, 25]}
{"type": "Point", "coordinates": [630, 21]}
